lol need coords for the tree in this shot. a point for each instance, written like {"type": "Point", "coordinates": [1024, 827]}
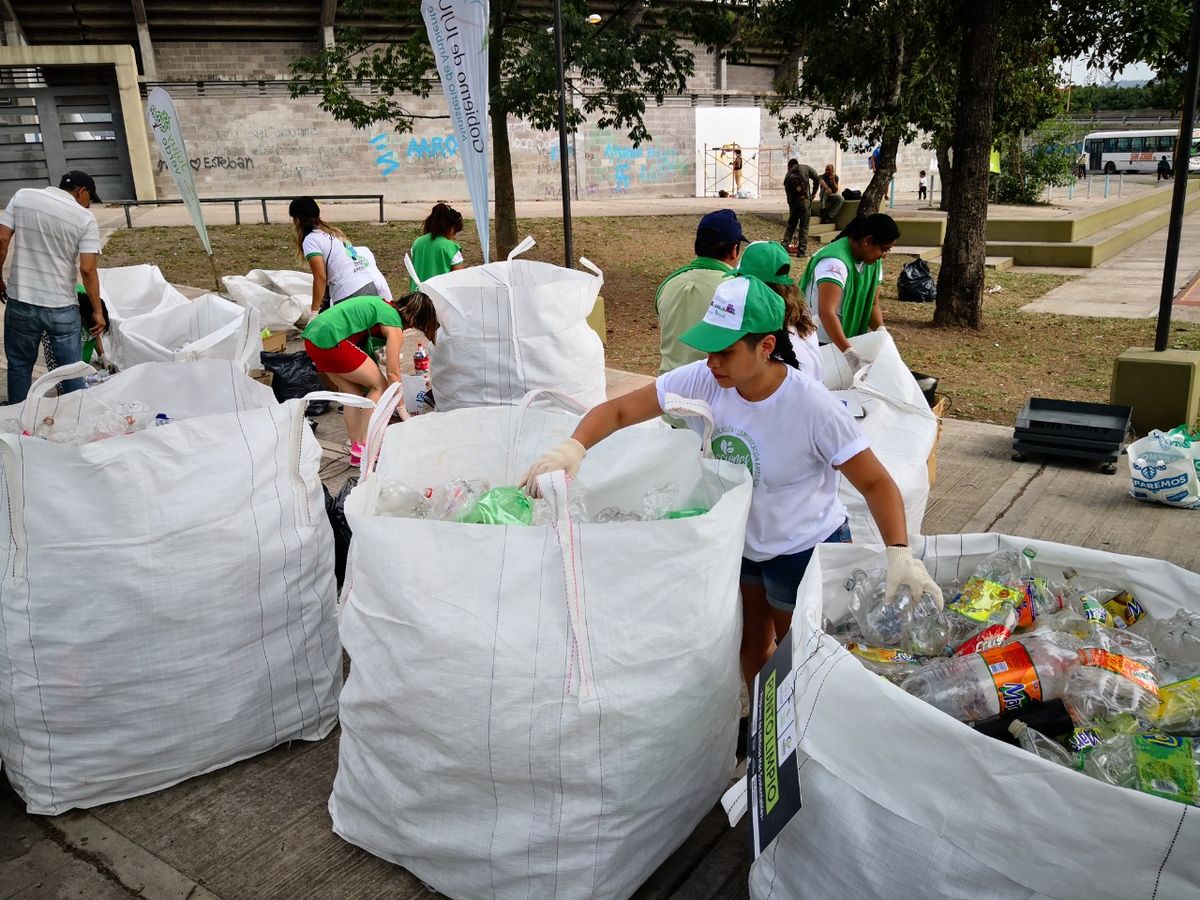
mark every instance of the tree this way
{"type": "Point", "coordinates": [634, 54]}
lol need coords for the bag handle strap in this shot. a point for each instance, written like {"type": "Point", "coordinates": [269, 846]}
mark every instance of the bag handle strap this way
{"type": "Point", "coordinates": [553, 487]}
{"type": "Point", "coordinates": [588, 264]}
{"type": "Point", "coordinates": [40, 388]}
{"type": "Point", "coordinates": [412, 271]}
{"type": "Point", "coordinates": [391, 402]}
{"type": "Point", "coordinates": [686, 406]}
{"type": "Point", "coordinates": [563, 401]}
{"type": "Point", "coordinates": [525, 245]}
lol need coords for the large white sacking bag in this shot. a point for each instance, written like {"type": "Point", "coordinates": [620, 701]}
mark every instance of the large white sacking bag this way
{"type": "Point", "coordinates": [208, 327]}
{"type": "Point", "coordinates": [901, 800]}
{"type": "Point", "coordinates": [278, 306]}
{"type": "Point", "coordinates": [167, 605]}
{"type": "Point", "coordinates": [538, 711]}
{"type": "Point", "coordinates": [129, 292]}
{"type": "Point", "coordinates": [510, 327]}
{"type": "Point", "coordinates": [897, 421]}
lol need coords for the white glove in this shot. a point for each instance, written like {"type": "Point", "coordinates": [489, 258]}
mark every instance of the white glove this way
{"type": "Point", "coordinates": [567, 456]}
{"type": "Point", "coordinates": [853, 360]}
{"type": "Point", "coordinates": [903, 568]}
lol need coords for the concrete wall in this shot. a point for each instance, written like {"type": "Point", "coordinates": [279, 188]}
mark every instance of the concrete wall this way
{"type": "Point", "coordinates": [253, 139]}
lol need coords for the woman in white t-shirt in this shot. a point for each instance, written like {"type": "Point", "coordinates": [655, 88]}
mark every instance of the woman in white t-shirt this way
{"type": "Point", "coordinates": [340, 270]}
{"type": "Point", "coordinates": [793, 436]}
{"type": "Point", "coordinates": [769, 263]}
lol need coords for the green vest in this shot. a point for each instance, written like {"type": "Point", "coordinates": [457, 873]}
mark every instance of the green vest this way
{"type": "Point", "coordinates": [858, 295]}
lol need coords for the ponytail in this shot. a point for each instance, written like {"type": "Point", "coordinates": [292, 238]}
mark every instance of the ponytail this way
{"type": "Point", "coordinates": [879, 227]}
{"type": "Point", "coordinates": [442, 221]}
{"type": "Point", "coordinates": [783, 352]}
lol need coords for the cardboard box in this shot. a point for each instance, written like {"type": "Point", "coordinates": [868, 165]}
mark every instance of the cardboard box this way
{"type": "Point", "coordinates": [276, 342]}
{"type": "Point", "coordinates": [939, 410]}
{"type": "Point", "coordinates": [262, 376]}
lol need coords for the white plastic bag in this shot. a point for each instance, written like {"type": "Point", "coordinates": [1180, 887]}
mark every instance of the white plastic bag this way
{"type": "Point", "coordinates": [512, 327]}
{"type": "Point", "coordinates": [278, 309]}
{"type": "Point", "coordinates": [208, 327]}
{"type": "Point", "coordinates": [129, 292]}
{"type": "Point", "coordinates": [167, 605]}
{"type": "Point", "coordinates": [1164, 470]}
{"type": "Point", "coordinates": [901, 800]}
{"type": "Point", "coordinates": [896, 419]}
{"type": "Point", "coordinates": [538, 711]}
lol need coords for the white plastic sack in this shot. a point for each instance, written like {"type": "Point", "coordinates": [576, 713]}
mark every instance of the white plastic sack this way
{"type": "Point", "coordinates": [278, 308]}
{"type": "Point", "coordinates": [208, 327]}
{"type": "Point", "coordinates": [897, 420]}
{"type": "Point", "coordinates": [512, 327]}
{"type": "Point", "coordinates": [167, 605]}
{"type": "Point", "coordinates": [1164, 471]}
{"type": "Point", "coordinates": [523, 722]}
{"type": "Point", "coordinates": [901, 800]}
{"type": "Point", "coordinates": [129, 292]}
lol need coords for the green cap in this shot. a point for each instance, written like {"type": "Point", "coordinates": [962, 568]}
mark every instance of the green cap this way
{"type": "Point", "coordinates": [766, 261]}
{"type": "Point", "coordinates": [741, 306]}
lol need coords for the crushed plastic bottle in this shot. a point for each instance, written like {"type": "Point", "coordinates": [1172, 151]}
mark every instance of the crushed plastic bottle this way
{"type": "Point", "coordinates": [43, 428]}
{"type": "Point", "coordinates": [1005, 678]}
{"type": "Point", "coordinates": [508, 505]}
{"type": "Point", "coordinates": [1178, 709]}
{"type": "Point", "coordinates": [400, 500]}
{"type": "Point", "coordinates": [884, 622]}
{"type": "Point", "coordinates": [1116, 674]}
{"type": "Point", "coordinates": [1041, 746]}
{"type": "Point", "coordinates": [448, 500]}
{"type": "Point", "coordinates": [894, 665]}
{"type": "Point", "coordinates": [616, 514]}
{"type": "Point", "coordinates": [1158, 764]}
{"type": "Point", "coordinates": [11, 426]}
{"type": "Point", "coordinates": [577, 510]}
{"type": "Point", "coordinates": [1176, 640]}
{"type": "Point", "coordinates": [659, 500]}
{"type": "Point", "coordinates": [161, 419]}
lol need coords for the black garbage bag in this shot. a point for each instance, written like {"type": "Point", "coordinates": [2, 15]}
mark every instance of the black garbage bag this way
{"type": "Point", "coordinates": [916, 282]}
{"type": "Point", "coordinates": [292, 376]}
{"type": "Point", "coordinates": [335, 508]}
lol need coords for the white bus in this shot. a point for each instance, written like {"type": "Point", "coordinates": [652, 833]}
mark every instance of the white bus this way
{"type": "Point", "coordinates": [1136, 151]}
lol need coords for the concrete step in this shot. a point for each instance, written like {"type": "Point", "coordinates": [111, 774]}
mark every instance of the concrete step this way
{"type": "Point", "coordinates": [999, 263]}
{"type": "Point", "coordinates": [929, 254]}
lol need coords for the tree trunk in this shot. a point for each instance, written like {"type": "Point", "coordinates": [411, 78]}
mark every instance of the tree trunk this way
{"type": "Point", "coordinates": [944, 173]}
{"type": "Point", "coordinates": [877, 190]}
{"type": "Point", "coordinates": [964, 254]}
{"type": "Point", "coordinates": [506, 196]}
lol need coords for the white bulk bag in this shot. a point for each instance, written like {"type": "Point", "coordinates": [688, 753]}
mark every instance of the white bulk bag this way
{"type": "Point", "coordinates": [167, 605]}
{"type": "Point", "coordinates": [901, 800]}
{"type": "Point", "coordinates": [524, 721]}
{"type": "Point", "coordinates": [208, 327]}
{"type": "Point", "coordinates": [277, 310]}
{"type": "Point", "coordinates": [512, 327]}
{"type": "Point", "coordinates": [131, 291]}
{"type": "Point", "coordinates": [897, 421]}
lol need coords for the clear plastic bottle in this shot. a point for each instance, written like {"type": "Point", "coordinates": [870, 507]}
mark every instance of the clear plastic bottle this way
{"type": "Point", "coordinates": [1178, 709]}
{"type": "Point", "coordinates": [401, 500]}
{"type": "Point", "coordinates": [1002, 679]}
{"type": "Point", "coordinates": [884, 622]}
{"type": "Point", "coordinates": [1039, 745]}
{"type": "Point", "coordinates": [1158, 764]}
{"type": "Point", "coordinates": [162, 419]}
{"type": "Point", "coordinates": [43, 428]}
{"type": "Point", "coordinates": [449, 499]}
{"type": "Point", "coordinates": [1116, 674]}
{"type": "Point", "coordinates": [1176, 640]}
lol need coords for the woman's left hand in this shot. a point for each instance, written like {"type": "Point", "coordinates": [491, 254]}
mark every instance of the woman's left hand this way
{"type": "Point", "coordinates": [904, 568]}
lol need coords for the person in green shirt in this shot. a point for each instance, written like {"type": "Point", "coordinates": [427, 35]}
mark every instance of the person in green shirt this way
{"type": "Point", "coordinates": [435, 251]}
{"type": "Point", "coordinates": [683, 298]}
{"type": "Point", "coordinates": [332, 341]}
{"type": "Point", "coordinates": [842, 282]}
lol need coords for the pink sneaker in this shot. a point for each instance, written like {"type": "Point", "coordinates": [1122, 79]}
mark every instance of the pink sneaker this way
{"type": "Point", "coordinates": [356, 452]}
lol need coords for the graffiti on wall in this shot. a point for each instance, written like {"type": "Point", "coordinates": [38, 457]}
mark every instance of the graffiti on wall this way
{"type": "Point", "coordinates": [215, 162]}
{"type": "Point", "coordinates": [386, 159]}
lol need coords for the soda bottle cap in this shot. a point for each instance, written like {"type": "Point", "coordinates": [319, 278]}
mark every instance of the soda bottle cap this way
{"type": "Point", "coordinates": [1029, 552]}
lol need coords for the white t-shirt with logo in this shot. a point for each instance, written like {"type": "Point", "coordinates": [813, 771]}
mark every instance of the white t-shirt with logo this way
{"type": "Point", "coordinates": [346, 269]}
{"type": "Point", "coordinates": [829, 269]}
{"type": "Point", "coordinates": [790, 442]}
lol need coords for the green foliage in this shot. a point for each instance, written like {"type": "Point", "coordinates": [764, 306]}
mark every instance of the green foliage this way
{"type": "Point", "coordinates": [1045, 158]}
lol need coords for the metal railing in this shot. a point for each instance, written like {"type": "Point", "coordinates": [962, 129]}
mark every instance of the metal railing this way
{"type": "Point", "coordinates": [238, 201]}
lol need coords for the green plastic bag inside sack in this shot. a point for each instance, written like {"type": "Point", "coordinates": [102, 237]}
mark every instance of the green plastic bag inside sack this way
{"type": "Point", "coordinates": [499, 506]}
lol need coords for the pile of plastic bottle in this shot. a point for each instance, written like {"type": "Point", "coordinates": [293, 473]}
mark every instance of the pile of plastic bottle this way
{"type": "Point", "coordinates": [1010, 642]}
{"type": "Point", "coordinates": [123, 418]}
{"type": "Point", "coordinates": [475, 501]}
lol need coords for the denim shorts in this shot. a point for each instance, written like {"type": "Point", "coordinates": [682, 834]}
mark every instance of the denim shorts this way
{"type": "Point", "coordinates": [781, 576]}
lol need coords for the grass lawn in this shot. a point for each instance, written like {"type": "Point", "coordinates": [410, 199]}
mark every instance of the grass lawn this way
{"type": "Point", "coordinates": [988, 373]}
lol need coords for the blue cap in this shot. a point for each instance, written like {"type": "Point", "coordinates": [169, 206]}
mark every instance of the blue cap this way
{"type": "Point", "coordinates": [719, 227]}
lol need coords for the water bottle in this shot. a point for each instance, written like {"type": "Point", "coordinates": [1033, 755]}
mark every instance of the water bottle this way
{"type": "Point", "coordinates": [883, 622]}
{"type": "Point", "coordinates": [1158, 764]}
{"type": "Point", "coordinates": [43, 428]}
{"type": "Point", "coordinates": [1005, 678]}
{"type": "Point", "coordinates": [1176, 640]}
{"type": "Point", "coordinates": [1178, 708]}
{"type": "Point", "coordinates": [421, 358]}
{"type": "Point", "coordinates": [162, 419]}
{"type": "Point", "coordinates": [1039, 745]}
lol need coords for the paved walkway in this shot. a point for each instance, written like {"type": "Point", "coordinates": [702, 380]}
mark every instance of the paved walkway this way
{"type": "Point", "coordinates": [1129, 284]}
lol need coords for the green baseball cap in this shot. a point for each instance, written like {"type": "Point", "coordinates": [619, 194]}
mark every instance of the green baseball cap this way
{"type": "Point", "coordinates": [741, 306]}
{"type": "Point", "coordinates": [766, 261]}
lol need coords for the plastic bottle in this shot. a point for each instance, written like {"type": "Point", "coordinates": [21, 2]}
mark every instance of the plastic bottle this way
{"type": "Point", "coordinates": [1158, 764]}
{"type": "Point", "coordinates": [162, 419]}
{"type": "Point", "coordinates": [43, 428]}
{"type": "Point", "coordinates": [1005, 678]}
{"type": "Point", "coordinates": [421, 358]}
{"type": "Point", "coordinates": [400, 500]}
{"type": "Point", "coordinates": [1178, 709]}
{"type": "Point", "coordinates": [894, 665]}
{"type": "Point", "coordinates": [883, 622]}
{"type": "Point", "coordinates": [1176, 640]}
{"type": "Point", "coordinates": [1041, 746]}
{"type": "Point", "coordinates": [1116, 674]}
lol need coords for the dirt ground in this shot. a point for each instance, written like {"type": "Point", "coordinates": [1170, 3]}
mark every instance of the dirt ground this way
{"type": "Point", "coordinates": [987, 374]}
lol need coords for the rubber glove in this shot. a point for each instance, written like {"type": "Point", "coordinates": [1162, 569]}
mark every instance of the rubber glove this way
{"type": "Point", "coordinates": [904, 568]}
{"type": "Point", "coordinates": [853, 360]}
{"type": "Point", "coordinates": [567, 456]}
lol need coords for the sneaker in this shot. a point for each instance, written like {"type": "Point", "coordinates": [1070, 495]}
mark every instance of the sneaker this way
{"type": "Point", "coordinates": [356, 452]}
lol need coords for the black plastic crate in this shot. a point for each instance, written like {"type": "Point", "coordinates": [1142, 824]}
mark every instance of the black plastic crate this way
{"type": "Point", "coordinates": [1051, 439]}
{"type": "Point", "coordinates": [1072, 419]}
{"type": "Point", "coordinates": [1038, 448]}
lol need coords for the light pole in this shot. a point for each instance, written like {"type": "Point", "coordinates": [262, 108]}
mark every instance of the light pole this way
{"type": "Point", "coordinates": [568, 241]}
